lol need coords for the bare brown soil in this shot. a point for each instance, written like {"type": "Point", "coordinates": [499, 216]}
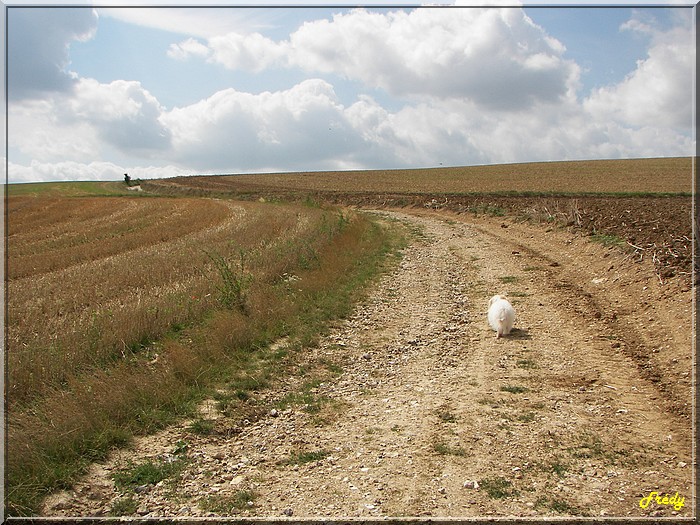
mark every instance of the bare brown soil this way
{"type": "Point", "coordinates": [582, 411]}
{"type": "Point", "coordinates": [660, 175]}
{"type": "Point", "coordinates": [659, 229]}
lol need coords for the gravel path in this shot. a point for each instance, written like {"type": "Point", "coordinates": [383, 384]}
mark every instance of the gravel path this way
{"type": "Point", "coordinates": [582, 410]}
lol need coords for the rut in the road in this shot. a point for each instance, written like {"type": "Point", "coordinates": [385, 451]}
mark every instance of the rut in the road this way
{"type": "Point", "coordinates": [432, 416]}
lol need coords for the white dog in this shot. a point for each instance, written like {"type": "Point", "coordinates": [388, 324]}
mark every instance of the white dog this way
{"type": "Point", "coordinates": [501, 315]}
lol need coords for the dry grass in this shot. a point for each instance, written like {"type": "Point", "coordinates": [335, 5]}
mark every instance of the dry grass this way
{"type": "Point", "coordinates": [123, 341]}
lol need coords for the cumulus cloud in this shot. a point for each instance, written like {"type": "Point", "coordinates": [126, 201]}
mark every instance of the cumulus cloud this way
{"type": "Point", "coordinates": [659, 92]}
{"type": "Point", "coordinates": [38, 42]}
{"type": "Point", "coordinates": [496, 57]}
{"type": "Point", "coordinates": [300, 128]}
{"type": "Point", "coordinates": [124, 114]}
{"type": "Point", "coordinates": [249, 52]}
{"type": "Point", "coordinates": [188, 48]}
{"type": "Point", "coordinates": [35, 131]}
{"type": "Point", "coordinates": [85, 122]}
{"type": "Point", "coordinates": [252, 52]}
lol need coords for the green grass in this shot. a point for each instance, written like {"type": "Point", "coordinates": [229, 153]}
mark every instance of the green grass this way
{"type": "Point", "coordinates": [559, 468]}
{"type": "Point", "coordinates": [201, 427]}
{"type": "Point", "coordinates": [305, 398]}
{"type": "Point", "coordinates": [498, 488]}
{"type": "Point", "coordinates": [607, 240]}
{"type": "Point", "coordinates": [529, 417]}
{"type": "Point", "coordinates": [491, 401]}
{"type": "Point", "coordinates": [302, 457]}
{"type": "Point", "coordinates": [124, 507]}
{"type": "Point", "coordinates": [590, 445]}
{"type": "Point", "coordinates": [149, 472]}
{"type": "Point", "coordinates": [558, 505]}
{"type": "Point", "coordinates": [527, 364]}
{"type": "Point", "coordinates": [487, 209]}
{"type": "Point", "coordinates": [448, 450]}
{"type": "Point", "coordinates": [225, 505]}
{"type": "Point", "coordinates": [514, 389]}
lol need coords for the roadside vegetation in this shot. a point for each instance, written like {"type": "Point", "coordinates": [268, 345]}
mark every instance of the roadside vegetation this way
{"type": "Point", "coordinates": [124, 313]}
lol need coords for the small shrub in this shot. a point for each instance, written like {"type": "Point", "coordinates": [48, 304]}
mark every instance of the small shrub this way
{"type": "Point", "coordinates": [526, 364]}
{"type": "Point", "coordinates": [526, 418]}
{"type": "Point", "coordinates": [124, 507]}
{"type": "Point", "coordinates": [559, 468]}
{"type": "Point", "coordinates": [487, 209]}
{"type": "Point", "coordinates": [559, 506]}
{"type": "Point", "coordinates": [202, 427]}
{"type": "Point", "coordinates": [447, 417]}
{"type": "Point", "coordinates": [234, 282]}
{"type": "Point", "coordinates": [607, 240]}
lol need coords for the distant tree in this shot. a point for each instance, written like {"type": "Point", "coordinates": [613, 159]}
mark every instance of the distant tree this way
{"type": "Point", "coordinates": [127, 179]}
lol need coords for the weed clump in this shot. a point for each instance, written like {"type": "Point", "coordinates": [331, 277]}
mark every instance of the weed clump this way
{"type": "Point", "coordinates": [233, 282]}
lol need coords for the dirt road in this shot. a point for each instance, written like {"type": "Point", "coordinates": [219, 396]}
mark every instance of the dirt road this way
{"type": "Point", "coordinates": [583, 410]}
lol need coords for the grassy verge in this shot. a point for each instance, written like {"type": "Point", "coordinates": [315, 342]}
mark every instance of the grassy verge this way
{"type": "Point", "coordinates": [292, 290]}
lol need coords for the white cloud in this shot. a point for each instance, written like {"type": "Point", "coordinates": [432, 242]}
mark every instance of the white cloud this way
{"type": "Point", "coordinates": [35, 131]}
{"type": "Point", "coordinates": [124, 114]}
{"type": "Point", "coordinates": [193, 21]}
{"type": "Point", "coordinates": [88, 122]}
{"type": "Point", "coordinates": [300, 128]}
{"type": "Point", "coordinates": [659, 92]}
{"type": "Point", "coordinates": [188, 48]}
{"type": "Point", "coordinates": [252, 52]}
{"type": "Point", "coordinates": [496, 57]}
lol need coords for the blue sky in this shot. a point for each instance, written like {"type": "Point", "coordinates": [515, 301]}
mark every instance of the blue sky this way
{"type": "Point", "coordinates": [157, 92]}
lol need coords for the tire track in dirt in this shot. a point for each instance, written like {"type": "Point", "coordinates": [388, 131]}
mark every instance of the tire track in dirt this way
{"type": "Point", "coordinates": [432, 416]}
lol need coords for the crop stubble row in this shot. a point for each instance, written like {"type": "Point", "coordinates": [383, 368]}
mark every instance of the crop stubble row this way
{"type": "Point", "coordinates": [83, 291]}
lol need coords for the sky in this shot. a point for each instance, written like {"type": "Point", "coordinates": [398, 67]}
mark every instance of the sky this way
{"type": "Point", "coordinates": [93, 93]}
